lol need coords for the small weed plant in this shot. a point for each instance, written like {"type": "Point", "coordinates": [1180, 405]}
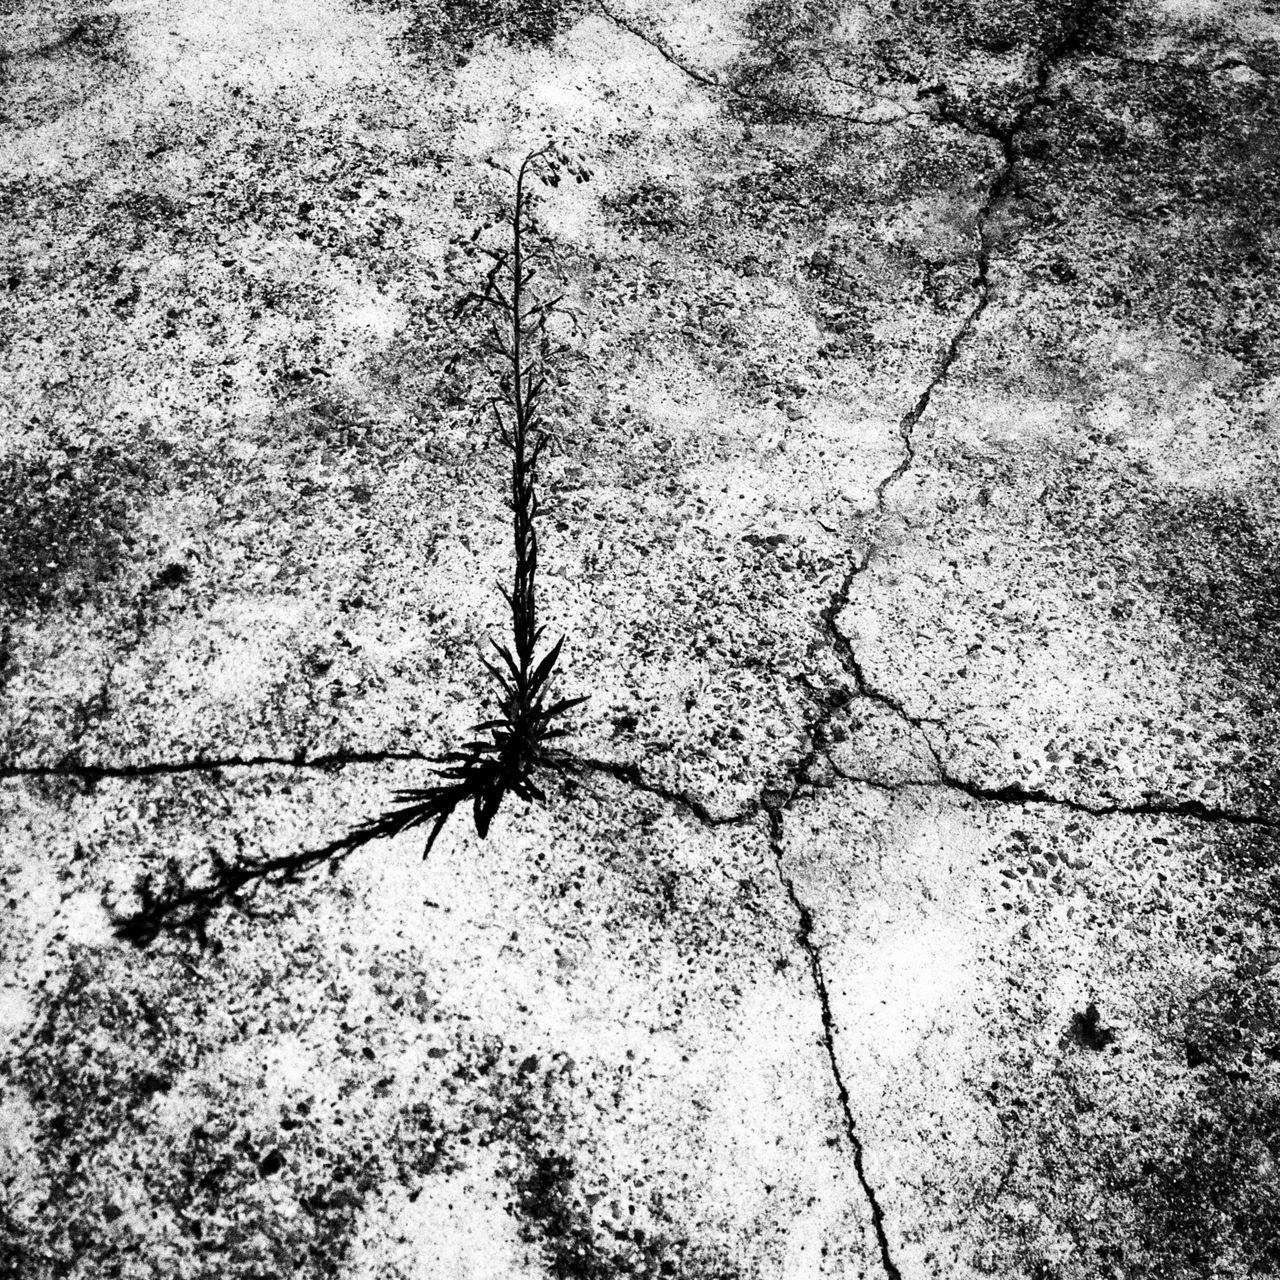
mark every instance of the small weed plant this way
{"type": "Point", "coordinates": [512, 744]}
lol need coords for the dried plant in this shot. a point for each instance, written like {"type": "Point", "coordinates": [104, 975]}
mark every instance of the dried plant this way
{"type": "Point", "coordinates": [511, 745]}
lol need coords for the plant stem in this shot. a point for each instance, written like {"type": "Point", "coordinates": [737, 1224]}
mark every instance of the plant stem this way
{"type": "Point", "coordinates": [523, 499]}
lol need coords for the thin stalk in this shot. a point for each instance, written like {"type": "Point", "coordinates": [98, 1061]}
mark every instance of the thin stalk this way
{"type": "Point", "coordinates": [524, 602]}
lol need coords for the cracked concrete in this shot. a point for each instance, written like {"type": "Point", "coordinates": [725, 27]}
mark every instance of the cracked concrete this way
{"type": "Point", "coordinates": [902, 906]}
{"type": "Point", "coordinates": [764, 101]}
{"type": "Point", "coordinates": [804, 937]}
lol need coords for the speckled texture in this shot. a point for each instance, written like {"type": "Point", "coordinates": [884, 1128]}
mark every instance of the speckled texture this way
{"type": "Point", "coordinates": [907, 908]}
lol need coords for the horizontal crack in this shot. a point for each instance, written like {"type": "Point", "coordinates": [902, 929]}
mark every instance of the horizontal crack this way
{"type": "Point", "coordinates": [764, 100]}
{"type": "Point", "coordinates": [563, 761]}
{"type": "Point", "coordinates": [1009, 794]}
{"type": "Point", "coordinates": [206, 764]}
{"type": "Point", "coordinates": [1017, 794]}
{"type": "Point", "coordinates": [1226, 63]}
{"type": "Point", "coordinates": [557, 761]}
{"type": "Point", "coordinates": [631, 774]}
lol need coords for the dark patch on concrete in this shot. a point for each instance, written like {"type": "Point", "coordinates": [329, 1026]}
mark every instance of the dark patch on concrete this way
{"type": "Point", "coordinates": [1211, 560]}
{"type": "Point", "coordinates": [492, 1094]}
{"type": "Point", "coordinates": [826, 217]}
{"type": "Point", "coordinates": [973, 61]}
{"type": "Point", "coordinates": [859, 277]}
{"type": "Point", "coordinates": [46, 77]}
{"type": "Point", "coordinates": [1161, 1156]}
{"type": "Point", "coordinates": [67, 522]}
{"type": "Point", "coordinates": [652, 208]}
{"type": "Point", "coordinates": [781, 33]}
{"type": "Point", "coordinates": [173, 576]}
{"type": "Point", "coordinates": [1233, 1024]}
{"type": "Point", "coordinates": [114, 1039]}
{"type": "Point", "coordinates": [1149, 193]}
{"type": "Point", "coordinates": [782, 190]}
{"type": "Point", "coordinates": [1252, 859]}
{"type": "Point", "coordinates": [775, 24]}
{"type": "Point", "coordinates": [553, 1214]}
{"type": "Point", "coordinates": [82, 1091]}
{"type": "Point", "coordinates": [1218, 559]}
{"type": "Point", "coordinates": [1207, 559]}
{"type": "Point", "coordinates": [973, 25]}
{"type": "Point", "coordinates": [578, 1244]}
{"type": "Point", "coordinates": [1181, 1185]}
{"type": "Point", "coordinates": [1212, 1196]}
{"type": "Point", "coordinates": [133, 219]}
{"type": "Point", "coordinates": [450, 29]}
{"type": "Point", "coordinates": [95, 33]}
{"type": "Point", "coordinates": [1218, 1203]}
{"type": "Point", "coordinates": [1087, 1031]}
{"type": "Point", "coordinates": [794, 55]}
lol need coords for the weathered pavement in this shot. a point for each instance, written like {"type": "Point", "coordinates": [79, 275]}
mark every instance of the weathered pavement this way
{"type": "Point", "coordinates": [915, 533]}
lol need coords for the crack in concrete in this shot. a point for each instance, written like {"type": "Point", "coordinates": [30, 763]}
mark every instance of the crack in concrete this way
{"type": "Point", "coordinates": [804, 938]}
{"type": "Point", "coordinates": [1069, 39]}
{"type": "Point", "coordinates": [1014, 793]}
{"type": "Point", "coordinates": [630, 773]}
{"type": "Point", "coordinates": [760, 99]}
{"type": "Point", "coordinates": [1227, 62]}
{"type": "Point", "coordinates": [909, 420]}
{"type": "Point", "coordinates": [327, 762]}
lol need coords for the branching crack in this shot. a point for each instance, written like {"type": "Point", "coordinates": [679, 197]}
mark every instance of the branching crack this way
{"type": "Point", "coordinates": [1068, 39]}
{"type": "Point", "coordinates": [804, 938]}
{"type": "Point", "coordinates": [631, 775]}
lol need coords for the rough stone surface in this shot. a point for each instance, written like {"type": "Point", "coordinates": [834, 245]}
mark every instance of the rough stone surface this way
{"type": "Point", "coordinates": [910, 907]}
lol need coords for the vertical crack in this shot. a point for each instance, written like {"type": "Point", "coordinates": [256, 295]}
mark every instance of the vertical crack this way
{"type": "Point", "coordinates": [804, 937]}
{"type": "Point", "coordinates": [1069, 38]}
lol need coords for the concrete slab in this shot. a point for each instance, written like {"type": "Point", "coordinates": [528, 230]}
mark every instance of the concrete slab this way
{"type": "Point", "coordinates": [903, 905]}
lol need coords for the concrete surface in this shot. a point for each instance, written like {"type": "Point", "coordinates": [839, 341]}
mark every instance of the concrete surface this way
{"type": "Point", "coordinates": [911, 910]}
